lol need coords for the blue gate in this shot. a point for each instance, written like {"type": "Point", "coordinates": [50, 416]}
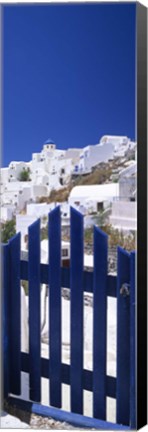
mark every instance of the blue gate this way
{"type": "Point", "coordinates": [101, 285]}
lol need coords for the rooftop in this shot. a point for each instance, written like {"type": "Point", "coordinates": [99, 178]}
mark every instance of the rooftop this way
{"type": "Point", "coordinates": [49, 141]}
{"type": "Point", "coordinates": [95, 191]}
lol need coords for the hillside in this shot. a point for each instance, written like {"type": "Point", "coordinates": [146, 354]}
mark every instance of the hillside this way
{"type": "Point", "coordinates": [102, 173]}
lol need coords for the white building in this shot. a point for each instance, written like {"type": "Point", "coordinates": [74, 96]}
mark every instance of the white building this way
{"type": "Point", "coordinates": [16, 194]}
{"type": "Point", "coordinates": [121, 144]}
{"type": "Point", "coordinates": [39, 210]}
{"type": "Point", "coordinates": [16, 168]}
{"type": "Point", "coordinates": [7, 212]}
{"type": "Point", "coordinates": [42, 210]}
{"type": "Point", "coordinates": [4, 174]}
{"type": "Point", "coordinates": [92, 155]}
{"type": "Point", "coordinates": [22, 224]}
{"type": "Point", "coordinates": [124, 211]}
{"type": "Point", "coordinates": [94, 197]}
{"type": "Point", "coordinates": [128, 182]}
{"type": "Point", "coordinates": [52, 168]}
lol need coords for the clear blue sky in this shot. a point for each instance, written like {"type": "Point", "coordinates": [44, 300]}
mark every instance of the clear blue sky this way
{"type": "Point", "coordinates": [68, 75]}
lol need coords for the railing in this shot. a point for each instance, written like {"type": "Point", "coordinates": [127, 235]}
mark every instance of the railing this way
{"type": "Point", "coordinates": [101, 285]}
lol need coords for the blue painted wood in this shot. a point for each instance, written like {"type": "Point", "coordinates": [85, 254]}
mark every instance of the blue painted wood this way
{"type": "Point", "coordinates": [54, 231]}
{"type": "Point", "coordinates": [64, 416]}
{"type": "Point", "coordinates": [34, 311]}
{"type": "Point", "coordinates": [76, 330]}
{"type": "Point", "coordinates": [15, 315]}
{"type": "Point", "coordinates": [65, 375]}
{"type": "Point", "coordinates": [132, 344]}
{"type": "Point", "coordinates": [6, 320]}
{"type": "Point", "coordinates": [65, 278]}
{"type": "Point", "coordinates": [123, 339]}
{"type": "Point", "coordinates": [100, 324]}
{"type": "Point", "coordinates": [124, 386]}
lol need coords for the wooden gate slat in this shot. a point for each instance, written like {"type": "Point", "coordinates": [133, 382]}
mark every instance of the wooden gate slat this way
{"type": "Point", "coordinates": [6, 319]}
{"type": "Point", "coordinates": [123, 339]}
{"type": "Point", "coordinates": [132, 345]}
{"type": "Point", "coordinates": [54, 233]}
{"type": "Point", "coordinates": [34, 311]}
{"type": "Point", "coordinates": [76, 284]}
{"type": "Point", "coordinates": [100, 324]}
{"type": "Point", "coordinates": [15, 316]}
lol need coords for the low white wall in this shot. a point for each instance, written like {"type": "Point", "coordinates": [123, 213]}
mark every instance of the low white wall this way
{"type": "Point", "coordinates": [6, 213]}
{"type": "Point", "coordinates": [22, 224]}
{"type": "Point", "coordinates": [38, 210]}
{"type": "Point", "coordinates": [124, 215]}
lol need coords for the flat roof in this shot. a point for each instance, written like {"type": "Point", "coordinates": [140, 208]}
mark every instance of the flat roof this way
{"type": "Point", "coordinates": [93, 191]}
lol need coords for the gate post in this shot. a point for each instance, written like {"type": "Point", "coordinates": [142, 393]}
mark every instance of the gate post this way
{"type": "Point", "coordinates": [5, 320]}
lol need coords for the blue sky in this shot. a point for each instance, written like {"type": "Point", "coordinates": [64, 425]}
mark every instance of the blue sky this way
{"type": "Point", "coordinates": [68, 75]}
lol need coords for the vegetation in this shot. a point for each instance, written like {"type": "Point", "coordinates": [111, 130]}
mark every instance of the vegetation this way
{"type": "Point", "coordinates": [99, 176]}
{"type": "Point", "coordinates": [119, 238]}
{"type": "Point", "coordinates": [59, 195]}
{"type": "Point", "coordinates": [25, 285]}
{"type": "Point", "coordinates": [115, 238]}
{"type": "Point", "coordinates": [24, 175]}
{"type": "Point", "coordinates": [44, 233]}
{"type": "Point", "coordinates": [7, 230]}
{"type": "Point", "coordinates": [88, 236]}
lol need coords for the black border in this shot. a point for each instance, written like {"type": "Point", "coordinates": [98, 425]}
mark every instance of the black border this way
{"type": "Point", "coordinates": [141, 24]}
{"type": "Point", "coordinates": [142, 216]}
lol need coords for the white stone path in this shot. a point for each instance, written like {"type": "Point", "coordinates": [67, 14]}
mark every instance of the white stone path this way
{"type": "Point", "coordinates": [111, 356]}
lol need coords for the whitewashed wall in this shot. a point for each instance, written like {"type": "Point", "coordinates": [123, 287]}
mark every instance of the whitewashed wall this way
{"type": "Point", "coordinates": [7, 213]}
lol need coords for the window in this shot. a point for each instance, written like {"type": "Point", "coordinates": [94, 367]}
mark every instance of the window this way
{"type": "Point", "coordinates": [64, 252]}
{"type": "Point", "coordinates": [99, 206]}
{"type": "Point", "coordinates": [61, 181]}
{"type": "Point", "coordinates": [26, 238]}
{"type": "Point", "coordinates": [62, 171]}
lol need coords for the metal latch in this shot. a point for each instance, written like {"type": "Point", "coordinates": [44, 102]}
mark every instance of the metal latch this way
{"type": "Point", "coordinates": [125, 290]}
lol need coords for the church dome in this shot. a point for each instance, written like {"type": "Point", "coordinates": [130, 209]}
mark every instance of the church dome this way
{"type": "Point", "coordinates": [49, 141]}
